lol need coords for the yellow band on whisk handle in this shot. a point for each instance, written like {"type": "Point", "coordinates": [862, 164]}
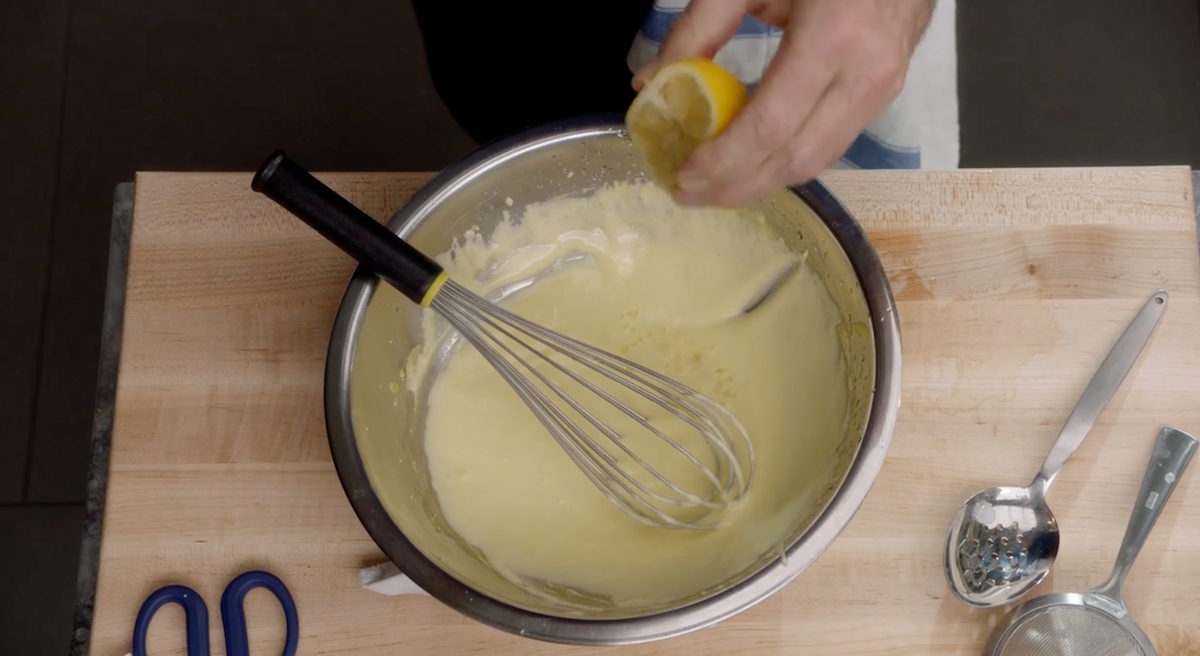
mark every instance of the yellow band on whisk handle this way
{"type": "Point", "coordinates": [433, 289]}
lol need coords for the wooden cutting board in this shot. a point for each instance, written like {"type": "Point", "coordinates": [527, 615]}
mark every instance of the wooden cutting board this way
{"type": "Point", "coordinates": [1011, 288]}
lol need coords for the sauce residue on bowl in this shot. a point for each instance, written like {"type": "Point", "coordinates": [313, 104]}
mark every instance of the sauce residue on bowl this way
{"type": "Point", "coordinates": [661, 285]}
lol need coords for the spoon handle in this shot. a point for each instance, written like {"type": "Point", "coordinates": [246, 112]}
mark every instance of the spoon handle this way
{"type": "Point", "coordinates": [1104, 384]}
{"type": "Point", "coordinates": [1171, 456]}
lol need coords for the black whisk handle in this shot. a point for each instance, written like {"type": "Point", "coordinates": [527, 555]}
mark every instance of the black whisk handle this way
{"type": "Point", "coordinates": [346, 226]}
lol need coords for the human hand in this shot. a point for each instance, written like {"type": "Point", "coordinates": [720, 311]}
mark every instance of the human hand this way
{"type": "Point", "coordinates": [839, 64]}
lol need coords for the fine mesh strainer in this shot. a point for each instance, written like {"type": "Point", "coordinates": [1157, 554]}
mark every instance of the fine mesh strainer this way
{"type": "Point", "coordinates": [1096, 622]}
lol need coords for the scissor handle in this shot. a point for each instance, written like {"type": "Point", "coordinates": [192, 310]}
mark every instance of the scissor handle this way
{"type": "Point", "coordinates": [233, 615]}
{"type": "Point", "coordinates": [195, 615]}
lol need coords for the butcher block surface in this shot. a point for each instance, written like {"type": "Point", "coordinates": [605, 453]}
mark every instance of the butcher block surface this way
{"type": "Point", "coordinates": [1011, 286]}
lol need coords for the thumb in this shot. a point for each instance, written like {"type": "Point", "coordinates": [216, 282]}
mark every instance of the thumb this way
{"type": "Point", "coordinates": [700, 31]}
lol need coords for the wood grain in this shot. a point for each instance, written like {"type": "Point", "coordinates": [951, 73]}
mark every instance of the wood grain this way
{"type": "Point", "coordinates": [1011, 287]}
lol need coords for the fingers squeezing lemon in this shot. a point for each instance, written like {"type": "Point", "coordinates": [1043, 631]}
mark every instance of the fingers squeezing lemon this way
{"type": "Point", "coordinates": [685, 104]}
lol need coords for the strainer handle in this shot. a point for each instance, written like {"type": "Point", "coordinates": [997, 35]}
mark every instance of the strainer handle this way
{"type": "Point", "coordinates": [1171, 456]}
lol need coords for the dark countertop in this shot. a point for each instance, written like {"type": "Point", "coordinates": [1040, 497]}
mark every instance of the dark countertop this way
{"type": "Point", "coordinates": [106, 390]}
{"type": "Point", "coordinates": [106, 395]}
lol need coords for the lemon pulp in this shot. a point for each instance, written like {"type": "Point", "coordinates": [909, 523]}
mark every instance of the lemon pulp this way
{"type": "Point", "coordinates": [685, 104]}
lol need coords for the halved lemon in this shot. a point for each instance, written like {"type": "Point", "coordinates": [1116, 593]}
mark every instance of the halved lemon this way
{"type": "Point", "coordinates": [685, 104]}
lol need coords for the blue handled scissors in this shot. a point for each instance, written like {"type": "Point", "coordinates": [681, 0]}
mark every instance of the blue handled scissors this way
{"type": "Point", "coordinates": [233, 616]}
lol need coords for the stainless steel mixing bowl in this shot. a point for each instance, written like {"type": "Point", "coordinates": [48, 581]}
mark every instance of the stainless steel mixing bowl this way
{"type": "Point", "coordinates": [374, 433]}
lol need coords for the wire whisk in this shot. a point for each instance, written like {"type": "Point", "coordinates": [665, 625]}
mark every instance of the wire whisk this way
{"type": "Point", "coordinates": [621, 410]}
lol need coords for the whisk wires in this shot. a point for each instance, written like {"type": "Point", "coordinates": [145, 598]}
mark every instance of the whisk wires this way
{"type": "Point", "coordinates": [722, 469]}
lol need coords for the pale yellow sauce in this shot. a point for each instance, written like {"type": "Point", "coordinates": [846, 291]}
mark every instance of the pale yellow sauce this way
{"type": "Point", "coordinates": [663, 288]}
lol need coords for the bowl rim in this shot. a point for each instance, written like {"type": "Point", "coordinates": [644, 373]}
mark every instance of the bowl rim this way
{"type": "Point", "coordinates": [444, 587]}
